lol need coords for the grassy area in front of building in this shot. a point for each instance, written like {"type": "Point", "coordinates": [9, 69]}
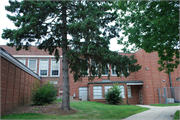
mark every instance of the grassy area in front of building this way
{"type": "Point", "coordinates": [87, 110]}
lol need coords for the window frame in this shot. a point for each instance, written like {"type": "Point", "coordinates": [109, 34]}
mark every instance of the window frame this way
{"type": "Point", "coordinates": [83, 91]}
{"type": "Point", "coordinates": [108, 71]}
{"type": "Point", "coordinates": [110, 86]}
{"type": "Point", "coordinates": [36, 64]}
{"type": "Point", "coordinates": [40, 67]}
{"type": "Point", "coordinates": [122, 94]}
{"type": "Point", "coordinates": [58, 68]}
{"type": "Point", "coordinates": [97, 92]}
{"type": "Point", "coordinates": [129, 91]}
{"type": "Point", "coordinates": [22, 59]}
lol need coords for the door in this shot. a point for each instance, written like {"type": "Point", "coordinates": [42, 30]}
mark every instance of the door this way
{"type": "Point", "coordinates": [82, 92]}
{"type": "Point", "coordinates": [140, 97]}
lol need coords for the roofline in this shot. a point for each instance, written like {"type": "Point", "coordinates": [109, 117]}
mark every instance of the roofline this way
{"type": "Point", "coordinates": [111, 82]}
{"type": "Point", "coordinates": [9, 57]}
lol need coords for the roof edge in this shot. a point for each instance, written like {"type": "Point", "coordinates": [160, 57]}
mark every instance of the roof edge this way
{"type": "Point", "coordinates": [14, 61]}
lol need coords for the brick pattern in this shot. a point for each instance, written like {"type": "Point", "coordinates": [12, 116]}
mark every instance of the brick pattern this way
{"type": "Point", "coordinates": [15, 86]}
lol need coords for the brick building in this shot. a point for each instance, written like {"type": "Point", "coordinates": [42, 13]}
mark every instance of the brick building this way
{"type": "Point", "coordinates": [139, 88]}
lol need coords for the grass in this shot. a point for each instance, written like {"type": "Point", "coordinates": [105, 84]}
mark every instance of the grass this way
{"type": "Point", "coordinates": [176, 116]}
{"type": "Point", "coordinates": [58, 100]}
{"type": "Point", "coordinates": [164, 105]}
{"type": "Point", "coordinates": [87, 110]}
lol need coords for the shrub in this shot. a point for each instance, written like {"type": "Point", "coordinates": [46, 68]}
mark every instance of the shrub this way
{"type": "Point", "coordinates": [43, 94]}
{"type": "Point", "coordinates": [113, 95]}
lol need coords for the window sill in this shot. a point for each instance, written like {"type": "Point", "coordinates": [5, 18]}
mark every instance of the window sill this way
{"type": "Point", "coordinates": [54, 76]}
{"type": "Point", "coordinates": [98, 98]}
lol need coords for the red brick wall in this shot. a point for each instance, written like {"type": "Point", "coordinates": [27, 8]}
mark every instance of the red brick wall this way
{"type": "Point", "coordinates": [32, 51]}
{"type": "Point", "coordinates": [15, 87]}
{"type": "Point", "coordinates": [152, 78]}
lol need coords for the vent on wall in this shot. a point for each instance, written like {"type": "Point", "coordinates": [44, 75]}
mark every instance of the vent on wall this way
{"type": "Point", "coordinates": [105, 80]}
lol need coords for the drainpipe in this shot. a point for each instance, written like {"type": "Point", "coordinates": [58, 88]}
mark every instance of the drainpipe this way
{"type": "Point", "coordinates": [170, 81]}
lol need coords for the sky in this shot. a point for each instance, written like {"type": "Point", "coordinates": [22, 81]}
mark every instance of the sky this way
{"type": "Point", "coordinates": [6, 23]}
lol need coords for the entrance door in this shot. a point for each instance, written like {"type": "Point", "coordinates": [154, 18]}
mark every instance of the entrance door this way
{"type": "Point", "coordinates": [140, 97]}
{"type": "Point", "coordinates": [82, 92]}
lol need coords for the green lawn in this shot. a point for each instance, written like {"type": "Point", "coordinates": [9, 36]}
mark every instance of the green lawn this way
{"type": "Point", "coordinates": [176, 116]}
{"type": "Point", "coordinates": [164, 105]}
{"type": "Point", "coordinates": [87, 110]}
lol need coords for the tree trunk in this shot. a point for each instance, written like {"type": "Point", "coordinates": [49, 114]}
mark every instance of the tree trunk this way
{"type": "Point", "coordinates": [66, 95]}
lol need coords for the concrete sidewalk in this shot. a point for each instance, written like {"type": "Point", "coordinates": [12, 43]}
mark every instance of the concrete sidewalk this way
{"type": "Point", "coordinates": [155, 113]}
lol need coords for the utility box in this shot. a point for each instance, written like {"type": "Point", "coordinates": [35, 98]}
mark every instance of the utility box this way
{"type": "Point", "coordinates": [170, 100]}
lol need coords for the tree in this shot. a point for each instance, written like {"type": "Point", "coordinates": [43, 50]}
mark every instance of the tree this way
{"type": "Point", "coordinates": [49, 23]}
{"type": "Point", "coordinates": [152, 26]}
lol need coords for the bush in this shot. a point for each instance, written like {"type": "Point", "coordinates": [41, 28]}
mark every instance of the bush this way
{"type": "Point", "coordinates": [113, 95]}
{"type": "Point", "coordinates": [43, 94]}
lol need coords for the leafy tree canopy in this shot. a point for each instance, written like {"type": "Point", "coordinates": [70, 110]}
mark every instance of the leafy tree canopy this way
{"type": "Point", "coordinates": [152, 26]}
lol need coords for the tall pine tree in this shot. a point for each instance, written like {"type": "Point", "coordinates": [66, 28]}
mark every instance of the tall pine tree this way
{"type": "Point", "coordinates": [49, 23]}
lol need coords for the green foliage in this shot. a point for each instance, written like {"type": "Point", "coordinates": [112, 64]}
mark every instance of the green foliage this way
{"type": "Point", "coordinates": [164, 105]}
{"type": "Point", "coordinates": [43, 94]}
{"type": "Point", "coordinates": [113, 95]}
{"type": "Point", "coordinates": [152, 26]}
{"type": "Point", "coordinates": [176, 115]}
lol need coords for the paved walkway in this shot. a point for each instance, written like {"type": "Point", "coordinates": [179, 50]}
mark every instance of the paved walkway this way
{"type": "Point", "coordinates": [155, 113]}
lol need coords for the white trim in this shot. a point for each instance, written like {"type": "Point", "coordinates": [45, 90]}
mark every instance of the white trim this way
{"type": "Point", "coordinates": [40, 67]}
{"type": "Point", "coordinates": [58, 69]}
{"type": "Point", "coordinates": [134, 83]}
{"type": "Point", "coordinates": [34, 56]}
{"type": "Point", "coordinates": [36, 64]}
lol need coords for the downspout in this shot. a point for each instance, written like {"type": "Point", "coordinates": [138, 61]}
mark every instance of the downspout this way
{"type": "Point", "coordinates": [170, 81]}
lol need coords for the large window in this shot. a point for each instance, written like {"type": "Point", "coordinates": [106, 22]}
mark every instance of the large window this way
{"type": "Point", "coordinates": [122, 90]}
{"type": "Point", "coordinates": [55, 68]}
{"type": "Point", "coordinates": [94, 66]}
{"type": "Point", "coordinates": [22, 61]}
{"type": "Point", "coordinates": [105, 70]}
{"type": "Point", "coordinates": [129, 91]}
{"type": "Point", "coordinates": [107, 87]}
{"type": "Point", "coordinates": [97, 92]}
{"type": "Point", "coordinates": [32, 64]}
{"type": "Point", "coordinates": [43, 67]}
{"type": "Point", "coordinates": [82, 91]}
{"type": "Point", "coordinates": [113, 71]}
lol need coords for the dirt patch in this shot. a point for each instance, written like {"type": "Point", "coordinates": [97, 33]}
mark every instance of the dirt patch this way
{"type": "Point", "coordinates": [53, 108]}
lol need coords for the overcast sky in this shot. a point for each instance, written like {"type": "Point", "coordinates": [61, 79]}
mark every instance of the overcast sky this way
{"type": "Point", "coordinates": [6, 23]}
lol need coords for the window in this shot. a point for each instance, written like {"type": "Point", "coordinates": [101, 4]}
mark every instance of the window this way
{"type": "Point", "coordinates": [129, 91]}
{"type": "Point", "coordinates": [122, 90]}
{"type": "Point", "coordinates": [113, 71]}
{"type": "Point", "coordinates": [22, 61]}
{"type": "Point", "coordinates": [32, 64]}
{"type": "Point", "coordinates": [94, 66]}
{"type": "Point", "coordinates": [105, 70]}
{"type": "Point", "coordinates": [82, 91]}
{"type": "Point", "coordinates": [43, 67]}
{"type": "Point", "coordinates": [107, 87]}
{"type": "Point", "coordinates": [55, 68]}
{"type": "Point", "coordinates": [97, 92]}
